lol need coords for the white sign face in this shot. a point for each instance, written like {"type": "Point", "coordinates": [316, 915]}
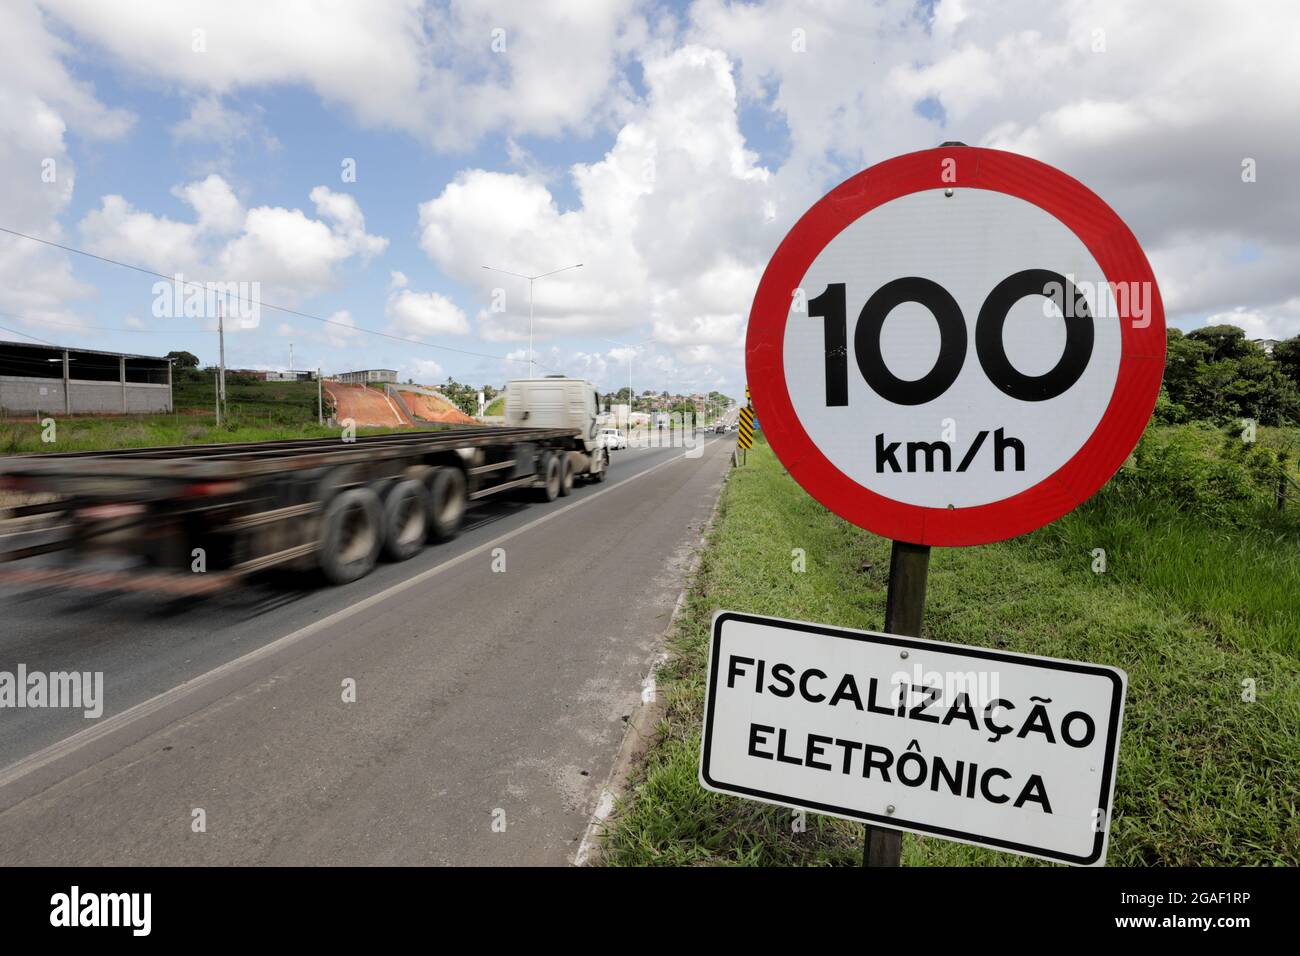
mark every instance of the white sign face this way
{"type": "Point", "coordinates": [962, 247]}
{"type": "Point", "coordinates": [1008, 751]}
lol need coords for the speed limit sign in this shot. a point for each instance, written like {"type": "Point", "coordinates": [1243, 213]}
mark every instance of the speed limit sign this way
{"type": "Point", "coordinates": [956, 346]}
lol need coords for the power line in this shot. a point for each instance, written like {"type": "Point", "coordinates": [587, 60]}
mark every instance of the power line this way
{"type": "Point", "coordinates": [30, 336]}
{"type": "Point", "coordinates": [268, 305]}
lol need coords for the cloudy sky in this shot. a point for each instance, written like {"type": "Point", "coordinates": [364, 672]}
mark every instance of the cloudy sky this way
{"type": "Point", "coordinates": [362, 161]}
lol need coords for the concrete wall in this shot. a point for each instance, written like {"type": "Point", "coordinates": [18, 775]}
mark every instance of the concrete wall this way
{"type": "Point", "coordinates": [19, 395]}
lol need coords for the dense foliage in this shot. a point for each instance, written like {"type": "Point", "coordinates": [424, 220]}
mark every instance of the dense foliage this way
{"type": "Point", "coordinates": [1216, 374]}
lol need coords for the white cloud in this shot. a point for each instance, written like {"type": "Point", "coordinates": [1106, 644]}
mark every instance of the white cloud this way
{"type": "Point", "coordinates": [233, 132]}
{"type": "Point", "coordinates": [424, 371]}
{"type": "Point", "coordinates": [1281, 322]}
{"type": "Point", "coordinates": [421, 314]}
{"type": "Point", "coordinates": [218, 208]}
{"type": "Point", "coordinates": [1153, 108]}
{"type": "Point", "coordinates": [676, 220]}
{"type": "Point", "coordinates": [427, 69]}
{"type": "Point", "coordinates": [669, 226]}
{"type": "Point", "coordinates": [291, 255]}
{"type": "Point", "coordinates": [40, 101]}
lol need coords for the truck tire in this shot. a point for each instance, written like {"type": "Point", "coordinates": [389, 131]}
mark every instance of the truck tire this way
{"type": "Point", "coordinates": [566, 476]}
{"type": "Point", "coordinates": [596, 477]}
{"type": "Point", "coordinates": [406, 519]}
{"type": "Point", "coordinates": [352, 534]}
{"type": "Point", "coordinates": [549, 472]}
{"type": "Point", "coordinates": [446, 502]}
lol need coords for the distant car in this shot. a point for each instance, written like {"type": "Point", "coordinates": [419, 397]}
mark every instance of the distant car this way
{"type": "Point", "coordinates": [612, 438]}
{"type": "Point", "coordinates": [719, 429]}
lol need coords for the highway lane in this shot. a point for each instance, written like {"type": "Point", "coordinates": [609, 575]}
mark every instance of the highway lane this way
{"type": "Point", "coordinates": [489, 706]}
{"type": "Point", "coordinates": [145, 645]}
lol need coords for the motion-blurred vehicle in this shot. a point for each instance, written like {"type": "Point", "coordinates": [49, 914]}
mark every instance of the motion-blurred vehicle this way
{"type": "Point", "coordinates": [191, 520]}
{"type": "Point", "coordinates": [613, 439]}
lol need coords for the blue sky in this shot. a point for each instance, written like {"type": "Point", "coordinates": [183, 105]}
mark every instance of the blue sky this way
{"type": "Point", "coordinates": [667, 146]}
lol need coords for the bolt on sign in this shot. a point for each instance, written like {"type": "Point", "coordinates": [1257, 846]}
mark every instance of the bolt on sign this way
{"type": "Point", "coordinates": [1008, 751]}
{"type": "Point", "coordinates": [957, 346]}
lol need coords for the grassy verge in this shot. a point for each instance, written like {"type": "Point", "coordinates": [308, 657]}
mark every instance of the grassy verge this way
{"type": "Point", "coordinates": [255, 411]}
{"type": "Point", "coordinates": [271, 403]}
{"type": "Point", "coordinates": [152, 431]}
{"type": "Point", "coordinates": [1189, 607]}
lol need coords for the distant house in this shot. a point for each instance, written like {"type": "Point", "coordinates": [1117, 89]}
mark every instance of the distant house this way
{"type": "Point", "coordinates": [291, 376]}
{"type": "Point", "coordinates": [367, 376]}
{"type": "Point", "coordinates": [1266, 344]}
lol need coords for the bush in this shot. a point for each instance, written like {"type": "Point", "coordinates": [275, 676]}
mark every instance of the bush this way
{"type": "Point", "coordinates": [1199, 470]}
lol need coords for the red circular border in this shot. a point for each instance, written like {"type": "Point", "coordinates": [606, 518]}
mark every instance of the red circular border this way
{"type": "Point", "coordinates": [1107, 238]}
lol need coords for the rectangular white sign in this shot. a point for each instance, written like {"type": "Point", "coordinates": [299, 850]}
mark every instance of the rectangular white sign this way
{"type": "Point", "coordinates": [1009, 751]}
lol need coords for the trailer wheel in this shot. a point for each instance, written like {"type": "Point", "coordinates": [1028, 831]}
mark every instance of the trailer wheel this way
{"type": "Point", "coordinates": [446, 502]}
{"type": "Point", "coordinates": [352, 533]}
{"type": "Point", "coordinates": [596, 477]}
{"type": "Point", "coordinates": [566, 476]}
{"type": "Point", "coordinates": [550, 473]}
{"type": "Point", "coordinates": [406, 519]}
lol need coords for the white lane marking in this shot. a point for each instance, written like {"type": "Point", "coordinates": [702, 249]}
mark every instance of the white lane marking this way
{"type": "Point", "coordinates": [117, 722]}
{"type": "Point", "coordinates": [604, 807]}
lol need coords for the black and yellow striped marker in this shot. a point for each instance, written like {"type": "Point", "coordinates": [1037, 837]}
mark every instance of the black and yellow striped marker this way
{"type": "Point", "coordinates": [746, 428]}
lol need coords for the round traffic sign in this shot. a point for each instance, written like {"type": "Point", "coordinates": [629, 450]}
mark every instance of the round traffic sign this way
{"type": "Point", "coordinates": [956, 346]}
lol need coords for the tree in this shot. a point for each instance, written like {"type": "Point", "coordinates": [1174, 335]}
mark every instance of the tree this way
{"type": "Point", "coordinates": [183, 359]}
{"type": "Point", "coordinates": [684, 409]}
{"type": "Point", "coordinates": [1216, 373]}
{"type": "Point", "coordinates": [1223, 341]}
{"type": "Point", "coordinates": [1287, 356]}
{"type": "Point", "coordinates": [464, 397]}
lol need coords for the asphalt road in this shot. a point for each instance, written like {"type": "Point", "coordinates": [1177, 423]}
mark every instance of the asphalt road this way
{"type": "Point", "coordinates": [489, 705]}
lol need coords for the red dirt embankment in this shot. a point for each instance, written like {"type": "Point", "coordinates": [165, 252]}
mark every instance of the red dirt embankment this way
{"type": "Point", "coordinates": [433, 408]}
{"type": "Point", "coordinates": [365, 406]}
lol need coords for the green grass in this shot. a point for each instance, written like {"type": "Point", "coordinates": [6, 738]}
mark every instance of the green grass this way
{"type": "Point", "coordinates": [496, 407]}
{"type": "Point", "coordinates": [272, 403]}
{"type": "Point", "coordinates": [255, 411]}
{"type": "Point", "coordinates": [1189, 607]}
{"type": "Point", "coordinates": [152, 431]}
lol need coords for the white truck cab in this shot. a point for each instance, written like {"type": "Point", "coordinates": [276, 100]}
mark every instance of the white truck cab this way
{"type": "Point", "coordinates": [555, 401]}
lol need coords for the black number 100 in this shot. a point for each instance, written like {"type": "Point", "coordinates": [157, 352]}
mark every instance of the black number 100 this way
{"type": "Point", "coordinates": [830, 306]}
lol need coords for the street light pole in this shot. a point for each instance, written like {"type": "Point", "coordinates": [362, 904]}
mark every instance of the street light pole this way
{"type": "Point", "coordinates": [531, 280]}
{"type": "Point", "coordinates": [631, 350]}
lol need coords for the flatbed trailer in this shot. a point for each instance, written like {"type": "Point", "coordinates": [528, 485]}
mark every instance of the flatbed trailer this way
{"type": "Point", "coordinates": [192, 519]}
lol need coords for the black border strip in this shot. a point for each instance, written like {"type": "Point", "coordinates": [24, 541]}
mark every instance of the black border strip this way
{"type": "Point", "coordinates": [893, 823]}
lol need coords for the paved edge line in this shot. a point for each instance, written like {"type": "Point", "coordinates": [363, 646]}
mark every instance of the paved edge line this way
{"type": "Point", "coordinates": [82, 738]}
{"type": "Point", "coordinates": [639, 736]}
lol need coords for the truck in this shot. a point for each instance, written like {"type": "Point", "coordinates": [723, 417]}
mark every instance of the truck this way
{"type": "Point", "coordinates": [191, 520]}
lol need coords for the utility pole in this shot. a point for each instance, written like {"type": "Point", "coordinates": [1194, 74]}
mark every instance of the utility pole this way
{"type": "Point", "coordinates": [290, 356]}
{"type": "Point", "coordinates": [320, 401]}
{"type": "Point", "coordinates": [221, 367]}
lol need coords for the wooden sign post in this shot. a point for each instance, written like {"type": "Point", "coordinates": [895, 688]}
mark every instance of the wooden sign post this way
{"type": "Point", "coordinates": [909, 566]}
